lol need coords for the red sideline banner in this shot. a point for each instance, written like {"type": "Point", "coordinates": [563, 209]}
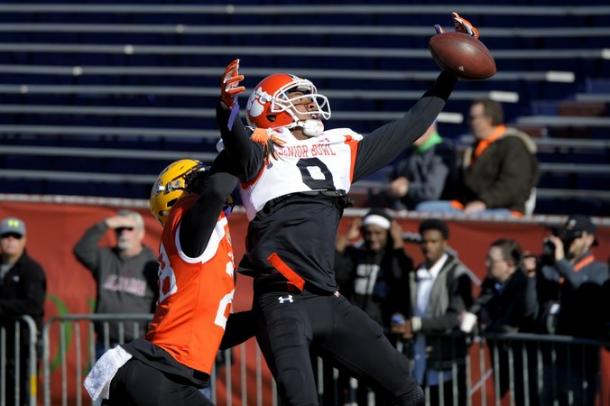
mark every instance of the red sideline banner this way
{"type": "Point", "coordinates": [53, 230]}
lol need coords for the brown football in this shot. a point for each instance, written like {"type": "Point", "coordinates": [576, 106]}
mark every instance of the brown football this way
{"type": "Point", "coordinates": [463, 55]}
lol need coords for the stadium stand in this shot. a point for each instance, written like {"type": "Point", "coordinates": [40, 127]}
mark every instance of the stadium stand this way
{"type": "Point", "coordinates": [105, 92]}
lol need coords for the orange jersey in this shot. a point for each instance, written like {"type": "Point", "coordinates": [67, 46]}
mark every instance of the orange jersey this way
{"type": "Point", "coordinates": [195, 294]}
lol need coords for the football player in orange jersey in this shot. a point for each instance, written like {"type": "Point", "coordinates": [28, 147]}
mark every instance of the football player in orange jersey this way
{"type": "Point", "coordinates": [196, 286]}
{"type": "Point", "coordinates": [294, 202]}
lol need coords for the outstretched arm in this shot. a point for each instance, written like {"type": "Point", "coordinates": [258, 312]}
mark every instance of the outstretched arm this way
{"type": "Point", "coordinates": [199, 221]}
{"type": "Point", "coordinates": [385, 143]}
{"type": "Point", "coordinates": [247, 157]}
{"type": "Point", "coordinates": [240, 327]}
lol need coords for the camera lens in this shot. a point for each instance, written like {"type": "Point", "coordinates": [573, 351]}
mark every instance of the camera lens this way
{"type": "Point", "coordinates": [548, 248]}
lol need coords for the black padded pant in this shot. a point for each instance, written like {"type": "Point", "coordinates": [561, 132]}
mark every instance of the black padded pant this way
{"type": "Point", "coordinates": [291, 324]}
{"type": "Point", "coordinates": [137, 383]}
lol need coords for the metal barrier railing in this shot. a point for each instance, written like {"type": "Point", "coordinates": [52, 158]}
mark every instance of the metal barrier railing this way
{"type": "Point", "coordinates": [540, 369]}
{"type": "Point", "coordinates": [98, 339]}
{"type": "Point", "coordinates": [515, 369]}
{"type": "Point", "coordinates": [18, 362]}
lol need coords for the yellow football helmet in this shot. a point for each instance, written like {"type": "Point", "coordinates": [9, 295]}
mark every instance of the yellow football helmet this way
{"type": "Point", "coordinates": [170, 186]}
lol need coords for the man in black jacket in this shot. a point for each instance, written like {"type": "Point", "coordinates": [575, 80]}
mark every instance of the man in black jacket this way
{"type": "Point", "coordinates": [23, 287]}
{"type": "Point", "coordinates": [507, 304]}
{"type": "Point", "coordinates": [440, 291]}
{"type": "Point", "coordinates": [373, 273]}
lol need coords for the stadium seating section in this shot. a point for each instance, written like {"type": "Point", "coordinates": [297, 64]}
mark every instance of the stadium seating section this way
{"type": "Point", "coordinates": [97, 96]}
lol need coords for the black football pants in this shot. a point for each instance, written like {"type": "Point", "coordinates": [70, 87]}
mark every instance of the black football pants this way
{"type": "Point", "coordinates": [290, 324]}
{"type": "Point", "coordinates": [137, 383]}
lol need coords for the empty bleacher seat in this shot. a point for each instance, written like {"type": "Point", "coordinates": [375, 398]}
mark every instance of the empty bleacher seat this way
{"type": "Point", "coordinates": [114, 76]}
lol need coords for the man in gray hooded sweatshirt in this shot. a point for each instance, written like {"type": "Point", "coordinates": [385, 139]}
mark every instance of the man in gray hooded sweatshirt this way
{"type": "Point", "coordinates": [126, 275]}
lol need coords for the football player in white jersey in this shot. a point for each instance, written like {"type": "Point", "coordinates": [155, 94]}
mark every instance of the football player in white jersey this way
{"type": "Point", "coordinates": [294, 198]}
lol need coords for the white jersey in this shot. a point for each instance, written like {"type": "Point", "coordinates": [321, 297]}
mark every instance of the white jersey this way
{"type": "Point", "coordinates": [318, 163]}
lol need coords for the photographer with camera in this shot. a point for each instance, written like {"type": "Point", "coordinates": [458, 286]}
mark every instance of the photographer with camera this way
{"type": "Point", "coordinates": [570, 294]}
{"type": "Point", "coordinates": [570, 270]}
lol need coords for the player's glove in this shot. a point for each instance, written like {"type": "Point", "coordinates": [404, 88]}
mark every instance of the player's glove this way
{"type": "Point", "coordinates": [229, 86]}
{"type": "Point", "coordinates": [268, 139]}
{"type": "Point", "coordinates": [461, 25]}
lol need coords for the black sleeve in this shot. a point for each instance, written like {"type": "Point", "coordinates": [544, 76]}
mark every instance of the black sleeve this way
{"type": "Point", "coordinates": [240, 327]}
{"type": "Point", "coordinates": [32, 302]}
{"type": "Point", "coordinates": [402, 266]}
{"type": "Point", "coordinates": [246, 157]}
{"type": "Point", "coordinates": [486, 295]}
{"type": "Point", "coordinates": [151, 274]}
{"type": "Point", "coordinates": [199, 221]}
{"type": "Point", "coordinates": [513, 314]}
{"type": "Point", "coordinates": [532, 304]}
{"type": "Point", "coordinates": [384, 144]}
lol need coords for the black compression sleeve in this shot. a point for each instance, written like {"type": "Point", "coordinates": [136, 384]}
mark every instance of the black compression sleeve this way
{"type": "Point", "coordinates": [199, 221]}
{"type": "Point", "coordinates": [240, 327]}
{"type": "Point", "coordinates": [246, 157]}
{"type": "Point", "coordinates": [385, 143]}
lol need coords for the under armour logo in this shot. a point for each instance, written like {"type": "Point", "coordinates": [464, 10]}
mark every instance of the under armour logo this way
{"type": "Point", "coordinates": [288, 299]}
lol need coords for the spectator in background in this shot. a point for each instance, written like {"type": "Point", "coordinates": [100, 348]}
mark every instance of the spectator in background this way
{"type": "Point", "coordinates": [507, 304]}
{"type": "Point", "coordinates": [441, 290]}
{"type": "Point", "coordinates": [499, 172]}
{"type": "Point", "coordinates": [575, 279]}
{"type": "Point", "coordinates": [373, 274]}
{"type": "Point", "coordinates": [23, 288]}
{"type": "Point", "coordinates": [426, 173]}
{"type": "Point", "coordinates": [572, 268]}
{"type": "Point", "coordinates": [126, 275]}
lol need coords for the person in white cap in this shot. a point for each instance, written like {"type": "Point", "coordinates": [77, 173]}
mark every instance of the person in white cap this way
{"type": "Point", "coordinates": [23, 288]}
{"type": "Point", "coordinates": [370, 273]}
{"type": "Point", "coordinates": [372, 268]}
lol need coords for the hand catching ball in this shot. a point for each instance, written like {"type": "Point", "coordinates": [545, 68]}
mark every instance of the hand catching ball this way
{"type": "Point", "coordinates": [462, 52]}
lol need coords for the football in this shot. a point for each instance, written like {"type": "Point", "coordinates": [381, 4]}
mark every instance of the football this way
{"type": "Point", "coordinates": [463, 55]}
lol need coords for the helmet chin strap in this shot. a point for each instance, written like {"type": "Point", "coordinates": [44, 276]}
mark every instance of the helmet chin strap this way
{"type": "Point", "coordinates": [311, 128]}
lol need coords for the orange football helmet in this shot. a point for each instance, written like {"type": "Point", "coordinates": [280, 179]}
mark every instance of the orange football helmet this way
{"type": "Point", "coordinates": [269, 105]}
